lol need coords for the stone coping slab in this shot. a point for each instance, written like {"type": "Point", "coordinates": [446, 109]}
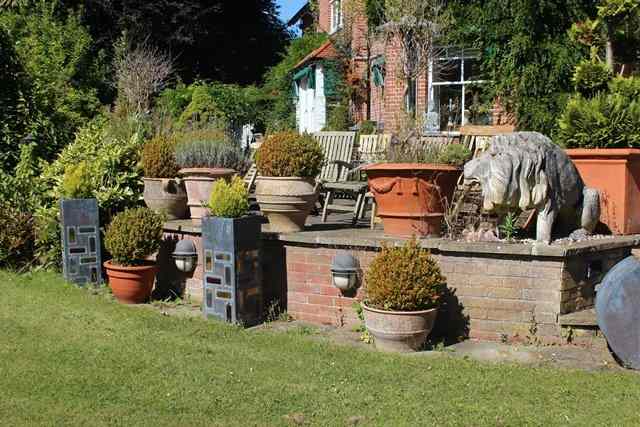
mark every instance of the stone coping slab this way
{"type": "Point", "coordinates": [343, 237]}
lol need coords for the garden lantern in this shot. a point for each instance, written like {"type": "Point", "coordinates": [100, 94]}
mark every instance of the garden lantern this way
{"type": "Point", "coordinates": [344, 271]}
{"type": "Point", "coordinates": [185, 256]}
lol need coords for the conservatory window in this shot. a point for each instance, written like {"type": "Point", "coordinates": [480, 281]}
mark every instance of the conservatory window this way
{"type": "Point", "coordinates": [336, 15]}
{"type": "Point", "coordinates": [455, 89]}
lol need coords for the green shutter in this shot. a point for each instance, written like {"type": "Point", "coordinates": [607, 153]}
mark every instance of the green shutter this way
{"type": "Point", "coordinates": [308, 72]}
{"type": "Point", "coordinates": [378, 71]}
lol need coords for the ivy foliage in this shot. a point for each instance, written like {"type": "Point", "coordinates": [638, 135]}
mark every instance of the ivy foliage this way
{"type": "Point", "coordinates": [526, 52]}
{"type": "Point", "coordinates": [278, 83]}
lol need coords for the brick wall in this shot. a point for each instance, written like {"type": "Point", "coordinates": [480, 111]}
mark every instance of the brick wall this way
{"type": "Point", "coordinates": [492, 297]}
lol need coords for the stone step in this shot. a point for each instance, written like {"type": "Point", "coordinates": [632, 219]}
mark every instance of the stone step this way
{"type": "Point", "coordinates": [579, 318]}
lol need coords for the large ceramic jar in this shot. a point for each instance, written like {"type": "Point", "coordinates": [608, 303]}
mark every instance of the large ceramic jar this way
{"type": "Point", "coordinates": [199, 183]}
{"type": "Point", "coordinates": [412, 197]}
{"type": "Point", "coordinates": [615, 172]}
{"type": "Point", "coordinates": [401, 331]}
{"type": "Point", "coordinates": [286, 201]}
{"type": "Point", "coordinates": [167, 196]}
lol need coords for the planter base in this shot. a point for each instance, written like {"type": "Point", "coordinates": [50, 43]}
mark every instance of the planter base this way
{"type": "Point", "coordinates": [166, 196]}
{"type": "Point", "coordinates": [399, 331]}
{"type": "Point", "coordinates": [131, 285]}
{"type": "Point", "coordinates": [286, 202]}
{"type": "Point", "coordinates": [615, 172]}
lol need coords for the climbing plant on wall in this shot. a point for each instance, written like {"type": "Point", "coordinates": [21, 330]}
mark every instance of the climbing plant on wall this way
{"type": "Point", "coordinates": [526, 52]}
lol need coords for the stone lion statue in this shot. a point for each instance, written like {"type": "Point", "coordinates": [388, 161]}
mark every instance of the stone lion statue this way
{"type": "Point", "coordinates": [527, 170]}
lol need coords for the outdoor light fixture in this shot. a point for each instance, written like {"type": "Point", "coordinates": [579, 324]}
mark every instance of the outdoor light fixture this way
{"type": "Point", "coordinates": [344, 271]}
{"type": "Point", "coordinates": [185, 256]}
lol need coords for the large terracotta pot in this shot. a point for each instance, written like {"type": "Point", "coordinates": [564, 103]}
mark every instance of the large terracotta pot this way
{"type": "Point", "coordinates": [286, 201]}
{"type": "Point", "coordinates": [402, 331]}
{"type": "Point", "coordinates": [412, 197]}
{"type": "Point", "coordinates": [131, 285]}
{"type": "Point", "coordinates": [199, 183]}
{"type": "Point", "coordinates": [616, 173]}
{"type": "Point", "coordinates": [167, 196]}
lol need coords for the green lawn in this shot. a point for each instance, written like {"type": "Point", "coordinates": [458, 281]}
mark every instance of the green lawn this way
{"type": "Point", "coordinates": [70, 357]}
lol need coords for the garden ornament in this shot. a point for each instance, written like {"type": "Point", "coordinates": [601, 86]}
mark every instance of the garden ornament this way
{"type": "Point", "coordinates": [526, 170]}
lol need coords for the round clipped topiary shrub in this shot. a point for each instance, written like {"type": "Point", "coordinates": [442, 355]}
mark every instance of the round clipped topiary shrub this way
{"type": "Point", "coordinates": [229, 199]}
{"type": "Point", "coordinates": [591, 77]}
{"type": "Point", "coordinates": [288, 154]}
{"type": "Point", "coordinates": [404, 278]}
{"type": "Point", "coordinates": [159, 158]}
{"type": "Point", "coordinates": [133, 235]}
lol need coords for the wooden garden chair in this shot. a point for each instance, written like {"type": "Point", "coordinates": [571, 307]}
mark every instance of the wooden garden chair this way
{"type": "Point", "coordinates": [337, 148]}
{"type": "Point", "coordinates": [371, 149]}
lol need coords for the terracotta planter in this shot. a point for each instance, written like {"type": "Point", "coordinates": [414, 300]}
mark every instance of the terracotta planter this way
{"type": "Point", "coordinates": [411, 197]}
{"type": "Point", "coordinates": [166, 196]}
{"type": "Point", "coordinates": [199, 183]}
{"type": "Point", "coordinates": [131, 285]}
{"type": "Point", "coordinates": [616, 173]}
{"type": "Point", "coordinates": [402, 331]}
{"type": "Point", "coordinates": [286, 201]}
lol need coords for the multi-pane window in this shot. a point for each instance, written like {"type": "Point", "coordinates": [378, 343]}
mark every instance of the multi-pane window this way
{"type": "Point", "coordinates": [455, 89]}
{"type": "Point", "coordinates": [336, 15]}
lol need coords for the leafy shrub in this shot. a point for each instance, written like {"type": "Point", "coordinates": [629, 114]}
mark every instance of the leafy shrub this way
{"type": "Point", "coordinates": [289, 154]}
{"type": "Point", "coordinates": [415, 151]}
{"type": "Point", "coordinates": [454, 154]}
{"type": "Point", "coordinates": [115, 178]}
{"type": "Point", "coordinates": [338, 118]}
{"type": "Point", "coordinates": [133, 235]}
{"type": "Point", "coordinates": [229, 199]}
{"type": "Point", "coordinates": [159, 158]}
{"type": "Point", "coordinates": [368, 127]}
{"type": "Point", "coordinates": [206, 153]}
{"type": "Point", "coordinates": [76, 182]}
{"type": "Point", "coordinates": [16, 238]}
{"type": "Point", "coordinates": [591, 77]}
{"type": "Point", "coordinates": [404, 279]}
{"type": "Point", "coordinates": [608, 120]}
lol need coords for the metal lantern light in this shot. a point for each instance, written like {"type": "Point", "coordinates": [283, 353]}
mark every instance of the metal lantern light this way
{"type": "Point", "coordinates": [185, 256]}
{"type": "Point", "coordinates": [344, 271]}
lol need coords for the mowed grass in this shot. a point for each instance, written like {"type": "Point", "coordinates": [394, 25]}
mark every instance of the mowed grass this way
{"type": "Point", "coordinates": [68, 357]}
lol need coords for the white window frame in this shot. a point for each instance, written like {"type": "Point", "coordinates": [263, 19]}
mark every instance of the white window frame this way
{"type": "Point", "coordinates": [336, 18]}
{"type": "Point", "coordinates": [462, 82]}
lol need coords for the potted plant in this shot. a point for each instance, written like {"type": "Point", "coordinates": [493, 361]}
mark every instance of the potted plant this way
{"type": "Point", "coordinates": [231, 242]}
{"type": "Point", "coordinates": [162, 192]}
{"type": "Point", "coordinates": [132, 236]}
{"type": "Point", "coordinates": [285, 189]}
{"type": "Point", "coordinates": [601, 134]}
{"type": "Point", "coordinates": [413, 188]}
{"type": "Point", "coordinates": [403, 288]}
{"type": "Point", "coordinates": [202, 162]}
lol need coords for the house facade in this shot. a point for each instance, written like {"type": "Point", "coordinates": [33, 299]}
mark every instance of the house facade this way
{"type": "Point", "coordinates": [444, 97]}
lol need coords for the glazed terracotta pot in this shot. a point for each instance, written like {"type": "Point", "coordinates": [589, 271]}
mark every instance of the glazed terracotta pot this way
{"type": "Point", "coordinates": [167, 196]}
{"type": "Point", "coordinates": [131, 285]}
{"type": "Point", "coordinates": [286, 201]}
{"type": "Point", "coordinates": [616, 173]}
{"type": "Point", "coordinates": [199, 183]}
{"type": "Point", "coordinates": [402, 331]}
{"type": "Point", "coordinates": [412, 197]}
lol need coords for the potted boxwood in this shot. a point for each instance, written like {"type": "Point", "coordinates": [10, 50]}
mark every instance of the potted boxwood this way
{"type": "Point", "coordinates": [404, 288]}
{"type": "Point", "coordinates": [202, 162]}
{"type": "Point", "coordinates": [163, 193]}
{"type": "Point", "coordinates": [414, 186]}
{"type": "Point", "coordinates": [231, 243]}
{"type": "Point", "coordinates": [285, 189]}
{"type": "Point", "coordinates": [131, 238]}
{"type": "Point", "coordinates": [601, 133]}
